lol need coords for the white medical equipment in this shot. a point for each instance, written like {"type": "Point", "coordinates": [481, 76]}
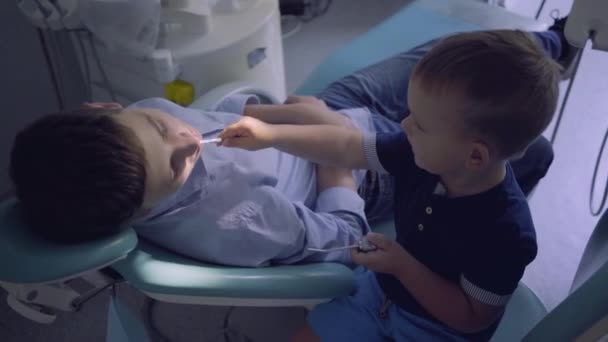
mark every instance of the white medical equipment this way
{"type": "Point", "coordinates": [588, 21]}
{"type": "Point", "coordinates": [37, 284]}
{"type": "Point", "coordinates": [186, 49]}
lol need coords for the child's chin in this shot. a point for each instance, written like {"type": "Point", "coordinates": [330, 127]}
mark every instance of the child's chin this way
{"type": "Point", "coordinates": [422, 166]}
{"type": "Point", "coordinates": [419, 163]}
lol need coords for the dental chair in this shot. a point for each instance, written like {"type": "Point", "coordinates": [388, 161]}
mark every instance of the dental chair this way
{"type": "Point", "coordinates": [37, 273]}
{"type": "Point", "coordinates": [583, 315]}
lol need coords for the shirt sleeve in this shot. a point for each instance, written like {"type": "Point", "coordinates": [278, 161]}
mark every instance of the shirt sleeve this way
{"type": "Point", "coordinates": [264, 227]}
{"type": "Point", "coordinates": [236, 103]}
{"type": "Point", "coordinates": [388, 152]}
{"type": "Point", "coordinates": [337, 221]}
{"type": "Point", "coordinates": [494, 270]}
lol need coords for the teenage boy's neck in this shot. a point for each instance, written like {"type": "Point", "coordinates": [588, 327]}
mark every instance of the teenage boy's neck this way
{"type": "Point", "coordinates": [467, 184]}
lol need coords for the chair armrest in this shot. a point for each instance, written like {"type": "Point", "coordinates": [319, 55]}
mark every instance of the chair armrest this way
{"type": "Point", "coordinates": [166, 275]}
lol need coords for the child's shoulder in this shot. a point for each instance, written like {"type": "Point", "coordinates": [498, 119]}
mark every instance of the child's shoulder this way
{"type": "Point", "coordinates": [504, 231]}
{"type": "Point", "coordinates": [504, 212]}
{"type": "Point", "coordinates": [512, 202]}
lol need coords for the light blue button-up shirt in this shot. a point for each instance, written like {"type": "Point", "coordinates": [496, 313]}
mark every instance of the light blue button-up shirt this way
{"type": "Point", "coordinates": [253, 208]}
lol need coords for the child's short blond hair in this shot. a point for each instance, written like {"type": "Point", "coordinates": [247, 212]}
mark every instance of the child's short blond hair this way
{"type": "Point", "coordinates": [510, 86]}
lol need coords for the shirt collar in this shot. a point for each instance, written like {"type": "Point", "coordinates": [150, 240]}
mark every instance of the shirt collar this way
{"type": "Point", "coordinates": [505, 184]}
{"type": "Point", "coordinates": [190, 191]}
{"type": "Point", "coordinates": [440, 190]}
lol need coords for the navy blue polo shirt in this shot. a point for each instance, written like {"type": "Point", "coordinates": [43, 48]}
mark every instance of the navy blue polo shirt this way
{"type": "Point", "coordinates": [482, 242]}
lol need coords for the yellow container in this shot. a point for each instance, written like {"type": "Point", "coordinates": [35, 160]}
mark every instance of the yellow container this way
{"type": "Point", "coordinates": [180, 92]}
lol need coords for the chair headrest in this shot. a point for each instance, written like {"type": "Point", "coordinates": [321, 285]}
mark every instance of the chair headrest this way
{"type": "Point", "coordinates": [27, 258]}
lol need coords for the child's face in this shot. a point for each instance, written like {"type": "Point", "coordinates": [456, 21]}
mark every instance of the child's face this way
{"type": "Point", "coordinates": [436, 132]}
{"type": "Point", "coordinates": [172, 147]}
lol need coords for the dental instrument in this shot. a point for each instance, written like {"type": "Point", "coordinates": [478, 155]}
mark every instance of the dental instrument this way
{"type": "Point", "coordinates": [210, 140]}
{"type": "Point", "coordinates": [363, 245]}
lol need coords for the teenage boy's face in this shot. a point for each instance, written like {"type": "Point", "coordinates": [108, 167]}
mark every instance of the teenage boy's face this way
{"type": "Point", "coordinates": [172, 148]}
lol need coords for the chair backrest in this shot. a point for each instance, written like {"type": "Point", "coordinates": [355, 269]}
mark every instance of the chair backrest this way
{"type": "Point", "coordinates": [595, 255]}
{"type": "Point", "coordinates": [587, 303]}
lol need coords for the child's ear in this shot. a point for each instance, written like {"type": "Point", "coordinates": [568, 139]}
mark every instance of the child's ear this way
{"type": "Point", "coordinates": [479, 156]}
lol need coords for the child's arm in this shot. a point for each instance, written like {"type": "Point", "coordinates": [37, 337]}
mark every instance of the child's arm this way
{"type": "Point", "coordinates": [443, 299]}
{"type": "Point", "coordinates": [335, 177]}
{"type": "Point", "coordinates": [331, 145]}
{"type": "Point", "coordinates": [300, 113]}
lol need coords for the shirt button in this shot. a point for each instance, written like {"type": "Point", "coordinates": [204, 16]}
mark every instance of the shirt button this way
{"type": "Point", "coordinates": [429, 210]}
{"type": "Point", "coordinates": [420, 227]}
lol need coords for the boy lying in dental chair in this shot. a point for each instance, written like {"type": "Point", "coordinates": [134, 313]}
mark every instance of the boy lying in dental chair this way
{"type": "Point", "coordinates": [90, 172]}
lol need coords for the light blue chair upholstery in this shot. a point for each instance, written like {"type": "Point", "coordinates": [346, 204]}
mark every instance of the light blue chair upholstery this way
{"type": "Point", "coordinates": [406, 29]}
{"type": "Point", "coordinates": [413, 25]}
{"type": "Point", "coordinates": [26, 259]}
{"type": "Point", "coordinates": [170, 278]}
{"type": "Point", "coordinates": [523, 312]}
{"type": "Point", "coordinates": [587, 303]}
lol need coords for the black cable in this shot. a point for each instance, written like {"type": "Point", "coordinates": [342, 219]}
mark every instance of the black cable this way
{"type": "Point", "coordinates": [57, 61]}
{"type": "Point", "coordinates": [87, 70]}
{"type": "Point", "coordinates": [148, 311]}
{"type": "Point", "coordinates": [594, 212]}
{"type": "Point", "coordinates": [100, 67]}
{"type": "Point", "coordinates": [51, 68]}
{"type": "Point", "coordinates": [80, 301]}
{"type": "Point", "coordinates": [558, 121]}
{"type": "Point", "coordinates": [540, 9]}
{"type": "Point", "coordinates": [595, 171]}
{"type": "Point", "coordinates": [319, 8]}
{"type": "Point", "coordinates": [325, 8]}
{"type": "Point", "coordinates": [577, 61]}
{"type": "Point", "coordinates": [227, 331]}
{"type": "Point", "coordinates": [227, 323]}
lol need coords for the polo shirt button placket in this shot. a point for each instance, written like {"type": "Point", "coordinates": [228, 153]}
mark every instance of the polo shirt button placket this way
{"type": "Point", "coordinates": [428, 210]}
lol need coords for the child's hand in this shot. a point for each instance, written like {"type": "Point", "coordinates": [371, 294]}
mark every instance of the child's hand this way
{"type": "Point", "coordinates": [249, 134]}
{"type": "Point", "coordinates": [386, 259]}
